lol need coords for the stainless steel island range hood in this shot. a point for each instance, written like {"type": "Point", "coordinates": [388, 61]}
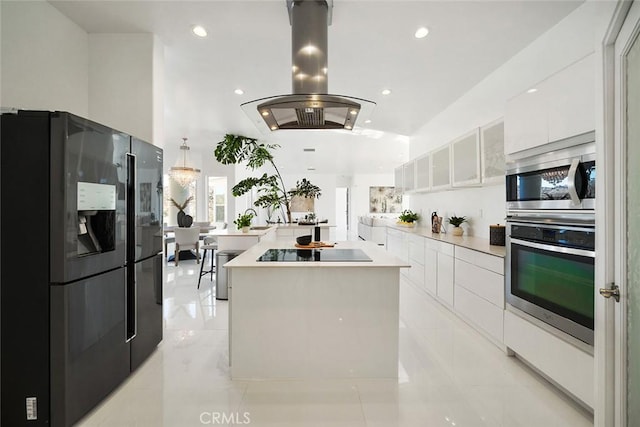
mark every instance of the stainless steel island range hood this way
{"type": "Point", "coordinates": [309, 107]}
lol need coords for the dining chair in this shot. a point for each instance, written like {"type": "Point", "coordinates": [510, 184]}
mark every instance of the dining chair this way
{"type": "Point", "coordinates": [187, 238]}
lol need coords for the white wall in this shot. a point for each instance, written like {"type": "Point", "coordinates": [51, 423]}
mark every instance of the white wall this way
{"type": "Point", "coordinates": [571, 39]}
{"type": "Point", "coordinates": [360, 193]}
{"type": "Point", "coordinates": [44, 59]}
{"type": "Point", "coordinates": [122, 83]}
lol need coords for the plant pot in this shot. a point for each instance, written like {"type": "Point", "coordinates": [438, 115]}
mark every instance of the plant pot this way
{"type": "Point", "coordinates": [457, 231]}
{"type": "Point", "coordinates": [245, 229]}
{"type": "Point", "coordinates": [406, 224]}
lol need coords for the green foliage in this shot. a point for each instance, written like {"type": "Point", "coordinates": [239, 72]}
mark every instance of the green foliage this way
{"type": "Point", "coordinates": [408, 216]}
{"type": "Point", "coordinates": [457, 220]}
{"type": "Point", "coordinates": [234, 149]}
{"type": "Point", "coordinates": [243, 220]}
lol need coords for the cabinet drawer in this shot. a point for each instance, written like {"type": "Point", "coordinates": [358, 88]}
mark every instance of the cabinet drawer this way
{"type": "Point", "coordinates": [486, 261]}
{"type": "Point", "coordinates": [445, 248]}
{"type": "Point", "coordinates": [396, 233]}
{"type": "Point", "coordinates": [481, 312]}
{"type": "Point", "coordinates": [483, 283]}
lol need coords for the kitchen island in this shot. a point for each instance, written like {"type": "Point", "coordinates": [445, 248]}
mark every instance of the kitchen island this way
{"type": "Point", "coordinates": [329, 313]}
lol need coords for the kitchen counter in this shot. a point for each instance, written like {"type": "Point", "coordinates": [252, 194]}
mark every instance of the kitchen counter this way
{"type": "Point", "coordinates": [314, 319]}
{"type": "Point", "coordinates": [379, 257]}
{"type": "Point", "coordinates": [470, 242]}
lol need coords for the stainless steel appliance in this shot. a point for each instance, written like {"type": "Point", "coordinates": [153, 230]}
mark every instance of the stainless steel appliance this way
{"type": "Point", "coordinates": [561, 179]}
{"type": "Point", "coordinates": [550, 271]}
{"type": "Point", "coordinates": [81, 281]}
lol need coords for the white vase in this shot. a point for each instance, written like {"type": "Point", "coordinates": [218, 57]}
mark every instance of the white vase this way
{"type": "Point", "coordinates": [457, 231]}
{"type": "Point", "coordinates": [245, 229]}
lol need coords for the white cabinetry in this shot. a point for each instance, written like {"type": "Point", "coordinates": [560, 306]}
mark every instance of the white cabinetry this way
{"type": "Point", "coordinates": [567, 365]}
{"type": "Point", "coordinates": [559, 107]}
{"type": "Point", "coordinates": [416, 259]}
{"type": "Point", "coordinates": [444, 273]}
{"type": "Point", "coordinates": [465, 153]}
{"type": "Point", "coordinates": [397, 245]}
{"type": "Point", "coordinates": [492, 152]}
{"type": "Point", "coordinates": [398, 179]}
{"type": "Point", "coordinates": [571, 108]}
{"type": "Point", "coordinates": [423, 176]}
{"type": "Point", "coordinates": [409, 176]}
{"type": "Point", "coordinates": [479, 291]}
{"type": "Point", "coordinates": [440, 168]}
{"type": "Point", "coordinates": [431, 266]}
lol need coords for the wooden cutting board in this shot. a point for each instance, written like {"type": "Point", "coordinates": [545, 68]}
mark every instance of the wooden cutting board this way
{"type": "Point", "coordinates": [315, 245]}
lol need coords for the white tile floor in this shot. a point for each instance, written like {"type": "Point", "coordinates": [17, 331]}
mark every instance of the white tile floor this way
{"type": "Point", "coordinates": [448, 376]}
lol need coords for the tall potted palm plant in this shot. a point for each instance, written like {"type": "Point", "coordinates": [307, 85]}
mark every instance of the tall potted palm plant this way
{"type": "Point", "coordinates": [272, 193]}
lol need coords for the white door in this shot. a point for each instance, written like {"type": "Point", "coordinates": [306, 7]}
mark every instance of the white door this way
{"type": "Point", "coordinates": [626, 359]}
{"type": "Point", "coordinates": [342, 213]}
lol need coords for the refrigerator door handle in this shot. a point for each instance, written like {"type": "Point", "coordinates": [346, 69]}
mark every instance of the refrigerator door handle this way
{"type": "Point", "coordinates": [132, 303]}
{"type": "Point", "coordinates": [130, 239]}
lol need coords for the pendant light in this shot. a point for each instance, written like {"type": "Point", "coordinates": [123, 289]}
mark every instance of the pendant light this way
{"type": "Point", "coordinates": [182, 173]}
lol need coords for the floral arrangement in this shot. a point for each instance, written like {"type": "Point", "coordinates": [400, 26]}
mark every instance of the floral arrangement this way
{"type": "Point", "coordinates": [407, 216]}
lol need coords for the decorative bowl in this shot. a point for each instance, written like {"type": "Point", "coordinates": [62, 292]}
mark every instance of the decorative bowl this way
{"type": "Point", "coordinates": [304, 240]}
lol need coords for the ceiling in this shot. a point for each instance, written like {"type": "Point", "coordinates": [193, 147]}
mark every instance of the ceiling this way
{"type": "Point", "coordinates": [371, 47]}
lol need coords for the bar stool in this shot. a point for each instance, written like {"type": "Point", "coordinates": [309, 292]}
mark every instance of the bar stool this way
{"type": "Point", "coordinates": [210, 243]}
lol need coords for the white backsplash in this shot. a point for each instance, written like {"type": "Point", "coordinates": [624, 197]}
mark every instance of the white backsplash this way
{"type": "Point", "coordinates": [482, 206]}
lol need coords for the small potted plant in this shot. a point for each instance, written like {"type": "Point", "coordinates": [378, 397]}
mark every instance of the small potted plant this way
{"type": "Point", "coordinates": [456, 221]}
{"type": "Point", "coordinates": [243, 222]}
{"type": "Point", "coordinates": [408, 218]}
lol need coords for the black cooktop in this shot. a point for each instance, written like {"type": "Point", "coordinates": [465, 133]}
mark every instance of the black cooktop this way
{"type": "Point", "coordinates": [314, 255]}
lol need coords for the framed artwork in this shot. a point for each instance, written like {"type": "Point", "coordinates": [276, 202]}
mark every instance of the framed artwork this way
{"type": "Point", "coordinates": [145, 197]}
{"type": "Point", "coordinates": [384, 200]}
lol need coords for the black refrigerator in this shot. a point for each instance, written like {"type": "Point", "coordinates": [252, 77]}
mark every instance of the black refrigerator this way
{"type": "Point", "coordinates": [80, 275]}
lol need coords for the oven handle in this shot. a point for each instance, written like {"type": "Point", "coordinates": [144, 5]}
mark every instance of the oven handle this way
{"type": "Point", "coordinates": [552, 248]}
{"type": "Point", "coordinates": [571, 185]}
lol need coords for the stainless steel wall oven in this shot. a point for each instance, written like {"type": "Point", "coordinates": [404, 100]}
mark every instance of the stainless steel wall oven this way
{"type": "Point", "coordinates": [550, 272]}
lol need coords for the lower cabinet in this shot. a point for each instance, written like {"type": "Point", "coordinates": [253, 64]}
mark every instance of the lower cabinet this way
{"type": "Point", "coordinates": [445, 274]}
{"type": "Point", "coordinates": [479, 291]}
{"type": "Point", "coordinates": [431, 266]}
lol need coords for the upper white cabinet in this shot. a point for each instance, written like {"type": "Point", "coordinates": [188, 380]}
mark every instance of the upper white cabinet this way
{"type": "Point", "coordinates": [398, 179]}
{"type": "Point", "coordinates": [492, 152]}
{"type": "Point", "coordinates": [440, 168]}
{"type": "Point", "coordinates": [559, 107]}
{"type": "Point", "coordinates": [465, 152]}
{"type": "Point", "coordinates": [423, 176]}
{"type": "Point", "coordinates": [409, 173]}
{"type": "Point", "coordinates": [572, 100]}
{"type": "Point", "coordinates": [525, 121]}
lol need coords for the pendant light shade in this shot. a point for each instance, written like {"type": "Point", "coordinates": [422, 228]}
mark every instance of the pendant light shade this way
{"type": "Point", "coordinates": [182, 173]}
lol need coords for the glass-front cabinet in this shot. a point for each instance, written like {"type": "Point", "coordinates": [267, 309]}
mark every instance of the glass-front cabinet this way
{"type": "Point", "coordinates": [423, 176]}
{"type": "Point", "coordinates": [466, 159]}
{"type": "Point", "coordinates": [409, 176]}
{"type": "Point", "coordinates": [440, 168]}
{"type": "Point", "coordinates": [492, 152]}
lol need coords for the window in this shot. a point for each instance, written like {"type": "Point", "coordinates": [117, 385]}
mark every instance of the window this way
{"type": "Point", "coordinates": [217, 199]}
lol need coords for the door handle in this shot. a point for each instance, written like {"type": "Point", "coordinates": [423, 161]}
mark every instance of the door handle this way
{"type": "Point", "coordinates": [613, 292]}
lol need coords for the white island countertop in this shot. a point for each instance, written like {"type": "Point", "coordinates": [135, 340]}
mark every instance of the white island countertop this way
{"type": "Point", "coordinates": [379, 257]}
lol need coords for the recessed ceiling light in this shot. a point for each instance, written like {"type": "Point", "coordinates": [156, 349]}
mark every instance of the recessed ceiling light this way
{"type": "Point", "coordinates": [265, 113]}
{"type": "Point", "coordinates": [368, 121]}
{"type": "Point", "coordinates": [274, 127]}
{"type": "Point", "coordinates": [532, 90]}
{"type": "Point", "coordinates": [353, 112]}
{"type": "Point", "coordinates": [421, 32]}
{"type": "Point", "coordinates": [199, 31]}
{"type": "Point", "coordinates": [386, 91]}
{"type": "Point", "coordinates": [238, 92]}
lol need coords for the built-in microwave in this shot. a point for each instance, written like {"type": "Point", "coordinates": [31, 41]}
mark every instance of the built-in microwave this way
{"type": "Point", "coordinates": [563, 179]}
